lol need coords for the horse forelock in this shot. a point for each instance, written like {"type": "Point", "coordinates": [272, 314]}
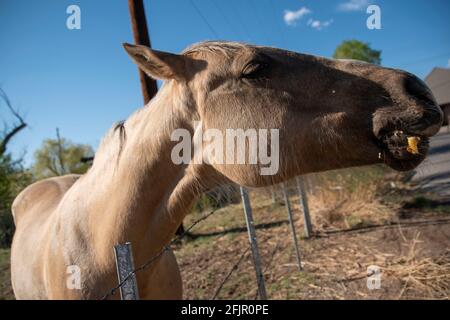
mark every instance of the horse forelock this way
{"type": "Point", "coordinates": [226, 48]}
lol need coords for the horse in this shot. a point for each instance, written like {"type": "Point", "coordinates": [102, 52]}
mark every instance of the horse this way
{"type": "Point", "coordinates": [329, 114]}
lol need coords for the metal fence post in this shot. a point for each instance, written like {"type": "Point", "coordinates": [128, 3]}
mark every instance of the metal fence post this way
{"type": "Point", "coordinates": [291, 222]}
{"type": "Point", "coordinates": [254, 244]}
{"type": "Point", "coordinates": [125, 265]}
{"type": "Point", "coordinates": [272, 190]}
{"type": "Point", "coordinates": [304, 206]}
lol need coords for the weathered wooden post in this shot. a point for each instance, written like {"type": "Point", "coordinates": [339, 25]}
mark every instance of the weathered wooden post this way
{"type": "Point", "coordinates": [125, 265]}
{"type": "Point", "coordinates": [140, 35]}
{"type": "Point", "coordinates": [254, 244]}
{"type": "Point", "coordinates": [304, 205]}
{"type": "Point", "coordinates": [291, 222]}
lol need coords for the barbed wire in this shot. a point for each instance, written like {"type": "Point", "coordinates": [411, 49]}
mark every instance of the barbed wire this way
{"type": "Point", "coordinates": [269, 263]}
{"type": "Point", "coordinates": [227, 277]}
{"type": "Point", "coordinates": [158, 255]}
{"type": "Point", "coordinates": [167, 247]}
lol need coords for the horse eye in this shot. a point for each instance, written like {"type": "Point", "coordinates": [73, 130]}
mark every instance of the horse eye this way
{"type": "Point", "coordinates": [253, 70]}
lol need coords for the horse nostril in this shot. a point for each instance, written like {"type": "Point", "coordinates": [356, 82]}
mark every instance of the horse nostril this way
{"type": "Point", "coordinates": [419, 90]}
{"type": "Point", "coordinates": [425, 114]}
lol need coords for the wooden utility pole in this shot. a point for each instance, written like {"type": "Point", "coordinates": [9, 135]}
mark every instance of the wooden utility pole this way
{"type": "Point", "coordinates": [140, 35]}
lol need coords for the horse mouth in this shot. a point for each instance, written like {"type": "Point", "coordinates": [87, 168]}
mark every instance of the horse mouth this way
{"type": "Point", "coordinates": [402, 151]}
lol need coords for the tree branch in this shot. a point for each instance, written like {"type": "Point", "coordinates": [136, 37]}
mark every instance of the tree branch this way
{"type": "Point", "coordinates": [60, 152]}
{"type": "Point", "coordinates": [86, 159]}
{"type": "Point", "coordinates": [9, 135]}
{"type": "Point", "coordinates": [4, 96]}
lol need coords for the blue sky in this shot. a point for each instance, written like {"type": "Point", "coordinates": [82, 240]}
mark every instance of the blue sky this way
{"type": "Point", "coordinates": [82, 81]}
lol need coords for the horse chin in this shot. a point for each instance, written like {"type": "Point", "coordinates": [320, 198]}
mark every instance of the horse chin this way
{"type": "Point", "coordinates": [402, 165]}
{"type": "Point", "coordinates": [399, 154]}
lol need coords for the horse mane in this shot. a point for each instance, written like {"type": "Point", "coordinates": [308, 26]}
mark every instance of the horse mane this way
{"type": "Point", "coordinates": [111, 145]}
{"type": "Point", "coordinates": [114, 141]}
{"type": "Point", "coordinates": [215, 47]}
{"type": "Point", "coordinates": [120, 126]}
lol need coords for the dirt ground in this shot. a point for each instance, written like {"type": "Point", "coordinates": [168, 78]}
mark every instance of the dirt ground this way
{"type": "Point", "coordinates": [411, 248]}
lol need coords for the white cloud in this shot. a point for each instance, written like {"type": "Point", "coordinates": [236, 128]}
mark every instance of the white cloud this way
{"type": "Point", "coordinates": [353, 5]}
{"type": "Point", "coordinates": [319, 25]}
{"type": "Point", "coordinates": [291, 17]}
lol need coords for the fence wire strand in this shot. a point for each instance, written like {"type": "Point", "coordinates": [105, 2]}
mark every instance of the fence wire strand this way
{"type": "Point", "coordinates": [158, 255]}
{"type": "Point", "coordinates": [272, 256]}
{"type": "Point", "coordinates": [227, 277]}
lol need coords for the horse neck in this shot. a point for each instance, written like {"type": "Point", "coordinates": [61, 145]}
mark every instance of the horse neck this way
{"type": "Point", "coordinates": [139, 194]}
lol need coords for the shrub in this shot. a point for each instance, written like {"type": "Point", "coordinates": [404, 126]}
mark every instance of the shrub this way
{"type": "Point", "coordinates": [13, 178]}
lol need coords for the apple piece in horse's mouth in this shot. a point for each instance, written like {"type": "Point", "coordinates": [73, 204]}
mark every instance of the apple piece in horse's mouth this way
{"type": "Point", "coordinates": [413, 143]}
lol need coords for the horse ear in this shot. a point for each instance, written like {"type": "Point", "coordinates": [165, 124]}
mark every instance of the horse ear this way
{"type": "Point", "coordinates": [158, 64]}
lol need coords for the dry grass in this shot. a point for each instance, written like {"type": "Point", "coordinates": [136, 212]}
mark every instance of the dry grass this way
{"type": "Point", "coordinates": [413, 266]}
{"type": "Point", "coordinates": [333, 267]}
{"type": "Point", "coordinates": [341, 199]}
{"type": "Point", "coordinates": [342, 209]}
{"type": "Point", "coordinates": [427, 277]}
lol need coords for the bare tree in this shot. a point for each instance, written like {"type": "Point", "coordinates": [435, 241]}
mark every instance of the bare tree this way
{"type": "Point", "coordinates": [60, 150]}
{"type": "Point", "coordinates": [8, 132]}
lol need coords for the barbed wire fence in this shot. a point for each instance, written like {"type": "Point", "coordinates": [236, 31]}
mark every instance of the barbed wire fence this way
{"type": "Point", "coordinates": [151, 260]}
{"type": "Point", "coordinates": [228, 276]}
{"type": "Point", "coordinates": [126, 272]}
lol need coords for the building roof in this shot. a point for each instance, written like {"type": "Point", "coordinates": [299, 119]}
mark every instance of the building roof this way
{"type": "Point", "coordinates": [439, 82]}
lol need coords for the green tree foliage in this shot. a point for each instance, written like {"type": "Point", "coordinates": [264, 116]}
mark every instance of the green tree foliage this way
{"type": "Point", "coordinates": [13, 178]}
{"type": "Point", "coordinates": [59, 156]}
{"type": "Point", "coordinates": [357, 50]}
